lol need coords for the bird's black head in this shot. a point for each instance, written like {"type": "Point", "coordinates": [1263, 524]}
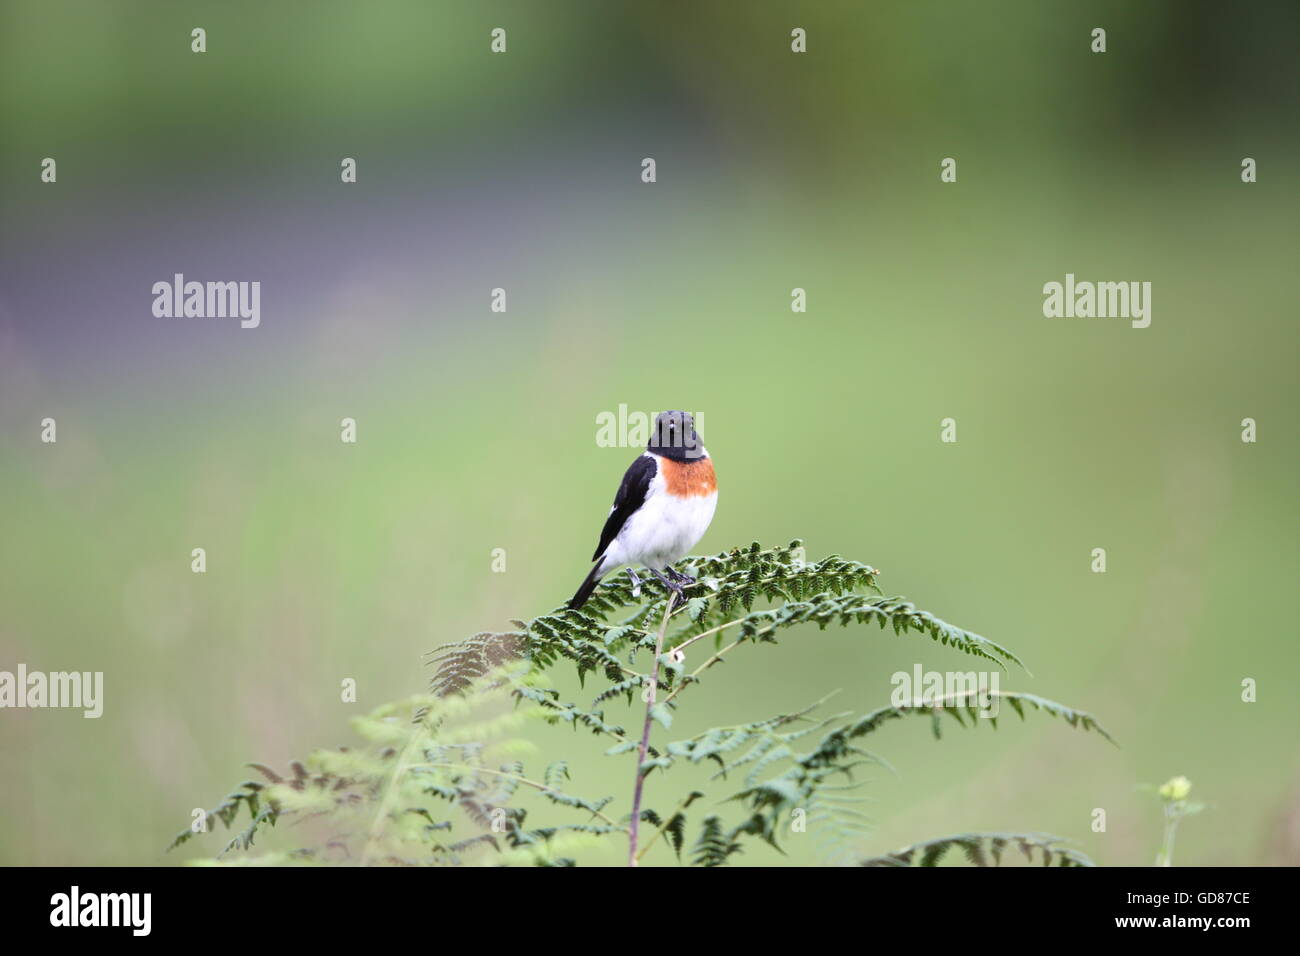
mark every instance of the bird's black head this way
{"type": "Point", "coordinates": [674, 437]}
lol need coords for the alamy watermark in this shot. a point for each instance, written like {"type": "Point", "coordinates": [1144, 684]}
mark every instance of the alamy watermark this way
{"type": "Point", "coordinates": [922, 688]}
{"type": "Point", "coordinates": [130, 910]}
{"type": "Point", "coordinates": [208, 300]}
{"type": "Point", "coordinates": [1102, 300]}
{"type": "Point", "coordinates": [632, 429]}
{"type": "Point", "coordinates": [77, 689]}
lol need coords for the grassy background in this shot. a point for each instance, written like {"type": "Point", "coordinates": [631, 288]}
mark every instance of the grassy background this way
{"type": "Point", "coordinates": [477, 430]}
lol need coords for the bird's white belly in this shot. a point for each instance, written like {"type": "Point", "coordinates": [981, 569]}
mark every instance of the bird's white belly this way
{"type": "Point", "coordinates": [663, 530]}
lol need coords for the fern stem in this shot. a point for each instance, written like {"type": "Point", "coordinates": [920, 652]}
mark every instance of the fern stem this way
{"type": "Point", "coordinates": [639, 787]}
{"type": "Point", "coordinates": [385, 805]}
{"type": "Point", "coordinates": [713, 630]}
{"type": "Point", "coordinates": [701, 669]}
{"type": "Point", "coordinates": [716, 657]}
{"type": "Point", "coordinates": [664, 826]}
{"type": "Point", "coordinates": [514, 776]}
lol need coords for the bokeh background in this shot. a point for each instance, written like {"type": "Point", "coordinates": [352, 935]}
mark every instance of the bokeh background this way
{"type": "Point", "coordinates": [477, 430]}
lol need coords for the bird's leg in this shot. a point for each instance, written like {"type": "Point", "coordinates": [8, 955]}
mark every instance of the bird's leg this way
{"type": "Point", "coordinates": [636, 583]}
{"type": "Point", "coordinates": [678, 598]}
{"type": "Point", "coordinates": [685, 579]}
{"type": "Point", "coordinates": [666, 581]}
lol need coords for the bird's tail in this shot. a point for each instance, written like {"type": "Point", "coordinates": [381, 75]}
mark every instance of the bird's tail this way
{"type": "Point", "coordinates": [588, 585]}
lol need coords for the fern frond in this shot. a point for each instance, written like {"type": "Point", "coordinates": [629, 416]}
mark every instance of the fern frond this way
{"type": "Point", "coordinates": [971, 705]}
{"type": "Point", "coordinates": [459, 665]}
{"type": "Point", "coordinates": [985, 849]}
{"type": "Point", "coordinates": [247, 794]}
{"type": "Point", "coordinates": [715, 846]}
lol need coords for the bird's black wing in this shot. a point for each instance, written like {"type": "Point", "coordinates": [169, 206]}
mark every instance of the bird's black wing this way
{"type": "Point", "coordinates": [630, 497]}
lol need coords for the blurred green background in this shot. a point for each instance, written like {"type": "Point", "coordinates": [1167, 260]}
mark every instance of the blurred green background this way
{"type": "Point", "coordinates": [477, 430]}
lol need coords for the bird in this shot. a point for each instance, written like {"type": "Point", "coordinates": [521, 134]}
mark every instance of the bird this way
{"type": "Point", "coordinates": [661, 510]}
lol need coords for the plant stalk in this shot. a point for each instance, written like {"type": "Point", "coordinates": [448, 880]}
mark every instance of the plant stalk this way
{"type": "Point", "coordinates": [634, 826]}
{"type": "Point", "coordinates": [1166, 855]}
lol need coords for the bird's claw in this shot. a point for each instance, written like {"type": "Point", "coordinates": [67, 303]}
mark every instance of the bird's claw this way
{"type": "Point", "coordinates": [679, 577]}
{"type": "Point", "coordinates": [678, 599]}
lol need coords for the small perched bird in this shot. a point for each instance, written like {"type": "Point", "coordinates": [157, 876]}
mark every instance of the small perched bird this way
{"type": "Point", "coordinates": [663, 507]}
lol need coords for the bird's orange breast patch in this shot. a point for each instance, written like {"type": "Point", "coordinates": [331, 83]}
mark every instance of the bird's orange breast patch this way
{"type": "Point", "coordinates": [686, 479]}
